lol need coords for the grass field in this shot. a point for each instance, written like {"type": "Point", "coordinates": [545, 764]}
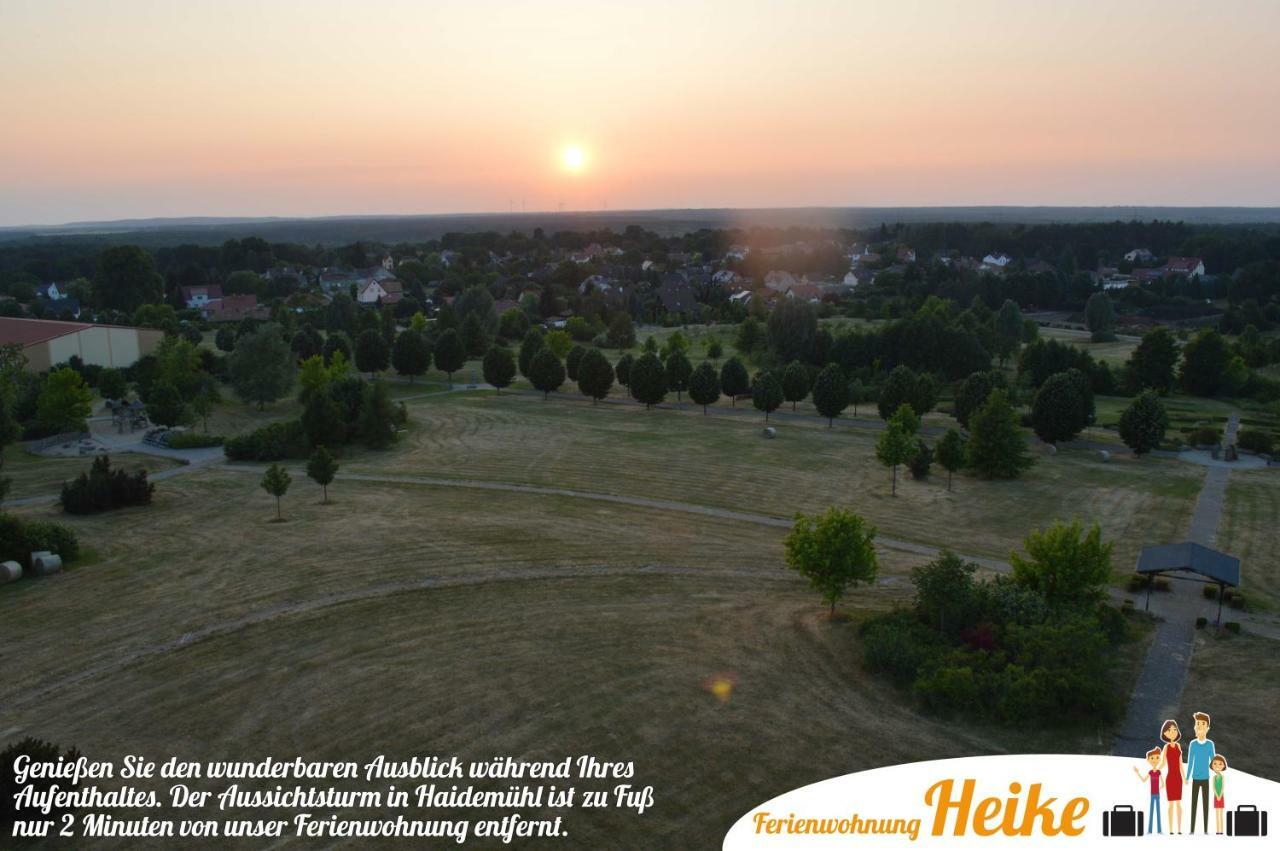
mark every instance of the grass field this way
{"type": "Point", "coordinates": [1236, 679]}
{"type": "Point", "coordinates": [1113, 353]}
{"type": "Point", "coordinates": [37, 475]}
{"type": "Point", "coordinates": [724, 462]}
{"type": "Point", "coordinates": [1249, 529]}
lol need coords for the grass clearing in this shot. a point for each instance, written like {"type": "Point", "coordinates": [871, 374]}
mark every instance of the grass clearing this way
{"type": "Point", "coordinates": [1249, 529]}
{"type": "Point", "coordinates": [40, 475]}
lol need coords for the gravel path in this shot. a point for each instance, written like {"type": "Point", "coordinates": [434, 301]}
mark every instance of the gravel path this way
{"type": "Point", "coordinates": [1158, 691]}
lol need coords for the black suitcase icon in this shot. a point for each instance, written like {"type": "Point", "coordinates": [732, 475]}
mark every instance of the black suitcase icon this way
{"type": "Point", "coordinates": [1247, 820]}
{"type": "Point", "coordinates": [1122, 821]}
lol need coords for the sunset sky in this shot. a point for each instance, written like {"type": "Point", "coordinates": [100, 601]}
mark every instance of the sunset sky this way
{"type": "Point", "coordinates": [131, 108]}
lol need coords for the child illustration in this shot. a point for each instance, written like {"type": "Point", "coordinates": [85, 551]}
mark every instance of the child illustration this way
{"type": "Point", "coordinates": [1152, 776]}
{"type": "Point", "coordinates": [1171, 765]}
{"type": "Point", "coordinates": [1218, 765]}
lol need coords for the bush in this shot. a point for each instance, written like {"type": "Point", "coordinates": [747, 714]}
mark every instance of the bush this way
{"type": "Point", "coordinates": [899, 646]}
{"type": "Point", "coordinates": [1232, 627]}
{"type": "Point", "coordinates": [1252, 440]}
{"type": "Point", "coordinates": [1163, 584]}
{"type": "Point", "coordinates": [1205, 436]}
{"type": "Point", "coordinates": [272, 442]}
{"type": "Point", "coordinates": [1202, 622]}
{"type": "Point", "coordinates": [102, 489]}
{"type": "Point", "coordinates": [1136, 582]}
{"type": "Point", "coordinates": [1235, 600]}
{"type": "Point", "coordinates": [948, 690]}
{"type": "Point", "coordinates": [1210, 592]}
{"type": "Point", "coordinates": [193, 440]}
{"type": "Point", "coordinates": [19, 538]}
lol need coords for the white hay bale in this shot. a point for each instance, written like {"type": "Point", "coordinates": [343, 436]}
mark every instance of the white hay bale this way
{"type": "Point", "coordinates": [1053, 450]}
{"type": "Point", "coordinates": [46, 565]}
{"type": "Point", "coordinates": [770, 432]}
{"type": "Point", "coordinates": [10, 571]}
{"type": "Point", "coordinates": [1104, 454]}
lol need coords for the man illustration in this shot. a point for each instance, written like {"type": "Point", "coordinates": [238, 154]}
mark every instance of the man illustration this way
{"type": "Point", "coordinates": [1153, 777]}
{"type": "Point", "coordinates": [1200, 755]}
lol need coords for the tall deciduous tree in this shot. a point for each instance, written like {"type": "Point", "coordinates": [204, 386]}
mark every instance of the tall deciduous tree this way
{"type": "Point", "coordinates": [275, 481]}
{"type": "Point", "coordinates": [1205, 361]}
{"type": "Point", "coordinates": [1154, 362]}
{"type": "Point", "coordinates": [830, 392]}
{"type": "Point", "coordinates": [450, 354]}
{"type": "Point", "coordinates": [678, 371]}
{"type": "Point", "coordinates": [411, 354]}
{"type": "Point", "coordinates": [1100, 317]}
{"type": "Point", "coordinates": [64, 403]}
{"type": "Point", "coordinates": [648, 380]}
{"type": "Point", "coordinates": [622, 369]}
{"type": "Point", "coordinates": [126, 279]}
{"type": "Point", "coordinates": [734, 380]}
{"type": "Point", "coordinates": [1064, 564]}
{"type": "Point", "coordinates": [795, 383]}
{"type": "Point", "coordinates": [897, 443]}
{"type": "Point", "coordinates": [996, 448]}
{"type": "Point", "coordinates": [377, 416]}
{"type": "Point", "coordinates": [532, 343]}
{"type": "Point", "coordinates": [834, 551]}
{"type": "Point", "coordinates": [262, 366]}
{"type": "Point", "coordinates": [951, 453]}
{"type": "Point", "coordinates": [1057, 414]}
{"type": "Point", "coordinates": [546, 373]}
{"type": "Point", "coordinates": [1143, 423]}
{"type": "Point", "coordinates": [595, 375]}
{"type": "Point", "coordinates": [372, 354]}
{"type": "Point", "coordinates": [704, 385]}
{"type": "Point", "coordinates": [973, 393]}
{"type": "Point", "coordinates": [1008, 328]}
{"type": "Point", "coordinates": [321, 469]}
{"type": "Point", "coordinates": [766, 393]}
{"type": "Point", "coordinates": [499, 367]}
{"type": "Point", "coordinates": [573, 359]}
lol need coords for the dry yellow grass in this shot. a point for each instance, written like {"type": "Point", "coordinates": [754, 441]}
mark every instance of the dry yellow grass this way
{"type": "Point", "coordinates": [38, 475]}
{"type": "Point", "coordinates": [1248, 531]}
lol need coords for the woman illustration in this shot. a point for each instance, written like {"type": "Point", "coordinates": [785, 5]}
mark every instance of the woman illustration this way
{"type": "Point", "coordinates": [1171, 765]}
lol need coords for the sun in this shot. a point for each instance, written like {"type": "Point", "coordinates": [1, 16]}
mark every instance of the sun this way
{"type": "Point", "coordinates": [573, 158]}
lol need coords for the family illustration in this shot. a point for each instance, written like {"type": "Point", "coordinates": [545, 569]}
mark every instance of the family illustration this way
{"type": "Point", "coordinates": [1204, 767]}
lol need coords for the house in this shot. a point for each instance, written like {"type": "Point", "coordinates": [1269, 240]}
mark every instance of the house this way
{"type": "Point", "coordinates": [742, 297]}
{"type": "Point", "coordinates": [450, 258]}
{"type": "Point", "coordinates": [1190, 267]}
{"type": "Point", "coordinates": [1139, 255]}
{"type": "Point", "coordinates": [388, 264]}
{"type": "Point", "coordinates": [598, 283]}
{"type": "Point", "coordinates": [47, 342]}
{"type": "Point", "coordinates": [502, 305]}
{"type": "Point", "coordinates": [906, 255]}
{"type": "Point", "coordinates": [386, 291]}
{"type": "Point", "coordinates": [779, 281]}
{"type": "Point", "coordinates": [594, 251]}
{"type": "Point", "coordinates": [997, 261]}
{"type": "Point", "coordinates": [851, 278]}
{"type": "Point", "coordinates": [234, 308]}
{"type": "Point", "coordinates": [737, 252]}
{"type": "Point", "coordinates": [50, 292]}
{"type": "Point", "coordinates": [677, 296]}
{"type": "Point", "coordinates": [59, 308]}
{"type": "Point", "coordinates": [200, 297]}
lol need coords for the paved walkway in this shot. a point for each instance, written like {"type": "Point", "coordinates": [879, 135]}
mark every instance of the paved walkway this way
{"type": "Point", "coordinates": [1158, 691]}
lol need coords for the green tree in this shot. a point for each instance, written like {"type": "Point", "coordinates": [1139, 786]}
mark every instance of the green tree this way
{"type": "Point", "coordinates": [321, 469]}
{"type": "Point", "coordinates": [475, 339]}
{"type": "Point", "coordinates": [704, 385]}
{"type": "Point", "coordinates": [323, 421]}
{"type": "Point", "coordinates": [450, 354]}
{"type": "Point", "coordinates": [559, 342]}
{"type": "Point", "coordinates": [974, 392]}
{"type": "Point", "coordinates": [734, 380]}
{"type": "Point", "coordinates": [1057, 414]}
{"type": "Point", "coordinates": [834, 551]}
{"type": "Point", "coordinates": [648, 380]}
{"type": "Point", "coordinates": [275, 481]}
{"type": "Point", "coordinates": [499, 367]}
{"type": "Point", "coordinates": [1154, 362]}
{"type": "Point", "coordinates": [830, 392]}
{"type": "Point", "coordinates": [749, 339]}
{"type": "Point", "coordinates": [546, 373]}
{"type": "Point", "coordinates": [595, 375]}
{"type": "Point", "coordinates": [225, 339]}
{"type": "Point", "coordinates": [532, 344]}
{"type": "Point", "coordinates": [1143, 423]}
{"type": "Point", "coordinates": [904, 386]}
{"type": "Point", "coordinates": [411, 354]}
{"type": "Point", "coordinates": [206, 398]}
{"type": "Point", "coordinates": [1100, 318]}
{"type": "Point", "coordinates": [897, 443]}
{"type": "Point", "coordinates": [944, 589]}
{"type": "Point", "coordinates": [573, 359]}
{"type": "Point", "coordinates": [372, 354]}
{"type": "Point", "coordinates": [513, 324]}
{"type": "Point", "coordinates": [996, 447]}
{"type": "Point", "coordinates": [336, 343]}
{"type": "Point", "coordinates": [951, 453]}
{"type": "Point", "coordinates": [126, 279]}
{"type": "Point", "coordinates": [377, 416]}
{"type": "Point", "coordinates": [793, 330]}
{"type": "Point", "coordinates": [622, 369]}
{"type": "Point", "coordinates": [622, 333]}
{"type": "Point", "coordinates": [678, 371]}
{"type": "Point", "coordinates": [1205, 360]}
{"type": "Point", "coordinates": [262, 366]}
{"type": "Point", "coordinates": [715, 350]}
{"type": "Point", "coordinates": [795, 383]}
{"type": "Point", "coordinates": [64, 403]}
{"type": "Point", "coordinates": [1064, 564]}
{"type": "Point", "coordinates": [1008, 328]}
{"type": "Point", "coordinates": [165, 406]}
{"type": "Point", "coordinates": [766, 393]}
{"type": "Point", "coordinates": [112, 384]}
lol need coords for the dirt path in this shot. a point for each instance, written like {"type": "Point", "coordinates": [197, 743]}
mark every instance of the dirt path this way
{"type": "Point", "coordinates": [1158, 691]}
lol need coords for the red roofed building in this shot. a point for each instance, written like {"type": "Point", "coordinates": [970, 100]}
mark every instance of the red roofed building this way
{"type": "Point", "coordinates": [233, 308]}
{"type": "Point", "coordinates": [46, 343]}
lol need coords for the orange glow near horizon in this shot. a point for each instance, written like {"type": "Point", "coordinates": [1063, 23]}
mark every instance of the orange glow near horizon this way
{"type": "Point", "coordinates": [142, 108]}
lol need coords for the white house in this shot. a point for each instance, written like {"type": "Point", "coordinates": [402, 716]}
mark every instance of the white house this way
{"type": "Point", "coordinates": [999, 261]}
{"type": "Point", "coordinates": [1139, 255]}
{"type": "Point", "coordinates": [51, 292]}
{"type": "Point", "coordinates": [201, 297]}
{"type": "Point", "coordinates": [389, 291]}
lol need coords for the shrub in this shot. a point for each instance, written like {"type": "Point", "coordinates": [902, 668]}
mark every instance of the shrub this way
{"type": "Point", "coordinates": [948, 690]}
{"type": "Point", "coordinates": [1202, 622]}
{"type": "Point", "coordinates": [193, 440]}
{"type": "Point", "coordinates": [1163, 584]}
{"type": "Point", "coordinates": [102, 489]}
{"type": "Point", "coordinates": [1205, 436]}
{"type": "Point", "coordinates": [1235, 599]}
{"type": "Point", "coordinates": [899, 646]}
{"type": "Point", "coordinates": [19, 538]}
{"type": "Point", "coordinates": [1136, 582]}
{"type": "Point", "coordinates": [1232, 627]}
{"type": "Point", "coordinates": [1253, 440]}
{"type": "Point", "coordinates": [273, 442]}
{"type": "Point", "coordinates": [1210, 592]}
